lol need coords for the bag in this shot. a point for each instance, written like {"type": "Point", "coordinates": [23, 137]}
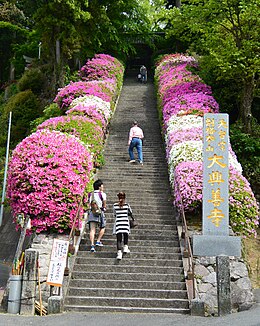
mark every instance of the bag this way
{"type": "Point", "coordinates": [132, 221]}
{"type": "Point", "coordinates": [94, 208]}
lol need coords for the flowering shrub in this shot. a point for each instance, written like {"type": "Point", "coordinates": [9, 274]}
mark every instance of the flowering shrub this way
{"type": "Point", "coordinates": [76, 89]}
{"type": "Point", "coordinates": [88, 111]}
{"type": "Point", "coordinates": [82, 104]}
{"type": "Point", "coordinates": [184, 103]}
{"type": "Point", "coordinates": [243, 210]}
{"type": "Point", "coordinates": [102, 66]}
{"type": "Point", "coordinates": [183, 100]}
{"type": "Point", "coordinates": [50, 170]}
{"type": "Point", "coordinates": [86, 129]}
{"type": "Point", "coordinates": [48, 173]}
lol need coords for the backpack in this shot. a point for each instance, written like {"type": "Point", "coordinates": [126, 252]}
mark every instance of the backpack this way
{"type": "Point", "coordinates": [94, 208]}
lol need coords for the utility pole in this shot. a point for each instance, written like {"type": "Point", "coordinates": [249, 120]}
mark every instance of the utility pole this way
{"type": "Point", "coordinates": [6, 165]}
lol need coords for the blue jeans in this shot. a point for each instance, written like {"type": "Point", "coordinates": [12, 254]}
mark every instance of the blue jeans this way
{"type": "Point", "coordinates": [136, 142]}
{"type": "Point", "coordinates": [144, 78]}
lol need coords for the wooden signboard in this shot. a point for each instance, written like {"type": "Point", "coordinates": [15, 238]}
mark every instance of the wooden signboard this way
{"type": "Point", "coordinates": [58, 262]}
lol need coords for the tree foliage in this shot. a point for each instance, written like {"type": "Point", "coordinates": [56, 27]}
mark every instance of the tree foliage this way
{"type": "Point", "coordinates": [227, 32]}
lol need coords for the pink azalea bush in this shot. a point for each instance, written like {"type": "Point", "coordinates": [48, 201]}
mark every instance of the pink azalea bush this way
{"type": "Point", "coordinates": [102, 66]}
{"type": "Point", "coordinates": [183, 100]}
{"type": "Point", "coordinates": [86, 129]}
{"type": "Point", "coordinates": [90, 111]}
{"type": "Point", "coordinates": [47, 176]}
{"type": "Point", "coordinates": [75, 89]}
{"type": "Point", "coordinates": [105, 68]}
{"type": "Point", "coordinates": [91, 106]}
{"type": "Point", "coordinates": [50, 170]}
{"type": "Point", "coordinates": [243, 209]}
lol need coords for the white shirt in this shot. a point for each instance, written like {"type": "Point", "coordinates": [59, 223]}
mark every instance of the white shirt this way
{"type": "Point", "coordinates": [137, 132]}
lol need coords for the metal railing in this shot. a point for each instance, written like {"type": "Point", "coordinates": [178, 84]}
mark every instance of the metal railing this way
{"type": "Point", "coordinates": [73, 232]}
{"type": "Point", "coordinates": [187, 250]}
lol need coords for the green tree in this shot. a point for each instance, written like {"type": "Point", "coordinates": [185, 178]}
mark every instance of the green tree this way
{"type": "Point", "coordinates": [12, 33]}
{"type": "Point", "coordinates": [227, 32]}
{"type": "Point", "coordinates": [115, 25]}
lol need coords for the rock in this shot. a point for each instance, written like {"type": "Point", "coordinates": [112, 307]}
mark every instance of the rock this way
{"type": "Point", "coordinates": [206, 261]}
{"type": "Point", "coordinates": [244, 283]}
{"type": "Point", "coordinates": [238, 270]}
{"type": "Point", "coordinates": [210, 269]}
{"type": "Point", "coordinates": [204, 287]}
{"type": "Point", "coordinates": [241, 299]}
{"type": "Point", "coordinates": [200, 270]}
{"type": "Point", "coordinates": [211, 278]}
{"type": "Point", "coordinates": [210, 300]}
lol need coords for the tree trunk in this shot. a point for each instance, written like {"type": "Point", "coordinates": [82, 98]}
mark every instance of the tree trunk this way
{"type": "Point", "coordinates": [246, 103]}
{"type": "Point", "coordinates": [58, 52]}
{"type": "Point", "coordinates": [178, 3]}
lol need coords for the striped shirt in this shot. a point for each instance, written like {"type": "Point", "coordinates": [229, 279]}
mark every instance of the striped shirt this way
{"type": "Point", "coordinates": [121, 218]}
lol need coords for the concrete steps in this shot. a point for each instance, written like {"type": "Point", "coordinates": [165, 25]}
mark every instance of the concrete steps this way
{"type": "Point", "coordinates": [151, 278]}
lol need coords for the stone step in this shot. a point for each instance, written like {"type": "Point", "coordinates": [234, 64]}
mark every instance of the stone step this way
{"type": "Point", "coordinates": [147, 240]}
{"type": "Point", "coordinates": [123, 268]}
{"type": "Point", "coordinates": [142, 225]}
{"type": "Point", "coordinates": [146, 218]}
{"type": "Point", "coordinates": [123, 309]}
{"type": "Point", "coordinates": [152, 227]}
{"type": "Point", "coordinates": [150, 279]}
{"type": "Point", "coordinates": [86, 283]}
{"type": "Point", "coordinates": [103, 275]}
{"type": "Point", "coordinates": [149, 244]}
{"type": "Point", "coordinates": [136, 252]}
{"type": "Point", "coordinates": [129, 261]}
{"type": "Point", "coordinates": [125, 293]}
{"type": "Point", "coordinates": [150, 200]}
{"type": "Point", "coordinates": [152, 234]}
{"type": "Point", "coordinates": [127, 302]}
{"type": "Point", "coordinates": [136, 186]}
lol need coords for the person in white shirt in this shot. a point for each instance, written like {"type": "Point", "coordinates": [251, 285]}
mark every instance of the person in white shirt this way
{"type": "Point", "coordinates": [135, 140]}
{"type": "Point", "coordinates": [143, 72]}
{"type": "Point", "coordinates": [99, 197]}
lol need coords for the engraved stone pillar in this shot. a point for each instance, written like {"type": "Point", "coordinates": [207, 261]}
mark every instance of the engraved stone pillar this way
{"type": "Point", "coordinates": [29, 282]}
{"type": "Point", "coordinates": [223, 285]}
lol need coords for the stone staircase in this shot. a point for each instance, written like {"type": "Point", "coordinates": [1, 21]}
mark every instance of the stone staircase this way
{"type": "Point", "coordinates": [151, 278]}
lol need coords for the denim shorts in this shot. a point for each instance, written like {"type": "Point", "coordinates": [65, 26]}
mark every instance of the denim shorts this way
{"type": "Point", "coordinates": [99, 220]}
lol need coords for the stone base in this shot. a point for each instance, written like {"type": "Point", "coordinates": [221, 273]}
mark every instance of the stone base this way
{"type": "Point", "coordinates": [210, 245]}
{"type": "Point", "coordinates": [55, 305]}
{"type": "Point", "coordinates": [197, 308]}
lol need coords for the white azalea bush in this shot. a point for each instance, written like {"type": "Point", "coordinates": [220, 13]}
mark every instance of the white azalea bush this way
{"type": "Point", "coordinates": [183, 129]}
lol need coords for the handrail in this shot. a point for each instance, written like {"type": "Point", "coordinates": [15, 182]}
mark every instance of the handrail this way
{"type": "Point", "coordinates": [72, 231]}
{"type": "Point", "coordinates": [187, 251]}
{"type": "Point", "coordinates": [72, 234]}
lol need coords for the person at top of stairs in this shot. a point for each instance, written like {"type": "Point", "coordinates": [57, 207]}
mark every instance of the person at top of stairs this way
{"type": "Point", "coordinates": [135, 140]}
{"type": "Point", "coordinates": [97, 219]}
{"type": "Point", "coordinates": [121, 211]}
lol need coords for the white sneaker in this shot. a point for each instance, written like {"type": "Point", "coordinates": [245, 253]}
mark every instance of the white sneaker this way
{"type": "Point", "coordinates": [126, 250]}
{"type": "Point", "coordinates": [132, 161]}
{"type": "Point", "coordinates": [119, 255]}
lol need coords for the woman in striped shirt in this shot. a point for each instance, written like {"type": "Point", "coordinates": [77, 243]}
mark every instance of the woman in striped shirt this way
{"type": "Point", "coordinates": [122, 210]}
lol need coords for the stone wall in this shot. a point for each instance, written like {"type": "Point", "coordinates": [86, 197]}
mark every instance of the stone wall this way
{"type": "Point", "coordinates": [242, 297]}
